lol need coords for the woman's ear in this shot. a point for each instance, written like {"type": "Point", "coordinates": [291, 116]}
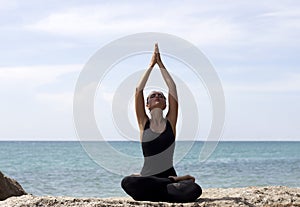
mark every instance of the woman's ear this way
{"type": "Point", "coordinates": [148, 106]}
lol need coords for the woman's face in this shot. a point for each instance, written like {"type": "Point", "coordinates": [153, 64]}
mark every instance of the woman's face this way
{"type": "Point", "coordinates": [156, 99]}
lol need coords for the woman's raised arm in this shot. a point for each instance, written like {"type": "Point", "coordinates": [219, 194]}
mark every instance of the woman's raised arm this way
{"type": "Point", "coordinates": [172, 96]}
{"type": "Point", "coordinates": [139, 95]}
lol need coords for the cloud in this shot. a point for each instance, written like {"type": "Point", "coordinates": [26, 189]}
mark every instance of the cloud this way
{"type": "Point", "coordinates": [116, 19]}
{"type": "Point", "coordinates": [254, 46]}
{"type": "Point", "coordinates": [7, 4]}
{"type": "Point", "coordinates": [35, 75]}
{"type": "Point", "coordinates": [61, 102]}
{"type": "Point", "coordinates": [280, 26]}
{"type": "Point", "coordinates": [86, 20]}
{"type": "Point", "coordinates": [231, 31]}
{"type": "Point", "coordinates": [290, 82]}
{"type": "Point", "coordinates": [48, 87]}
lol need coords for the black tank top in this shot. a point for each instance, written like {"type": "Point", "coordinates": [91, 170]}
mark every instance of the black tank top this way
{"type": "Point", "coordinates": [158, 151]}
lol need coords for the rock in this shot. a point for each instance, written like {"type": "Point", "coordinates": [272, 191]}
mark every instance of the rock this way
{"type": "Point", "coordinates": [9, 187]}
{"type": "Point", "coordinates": [249, 196]}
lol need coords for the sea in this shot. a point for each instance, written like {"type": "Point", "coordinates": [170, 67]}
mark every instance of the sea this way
{"type": "Point", "coordinates": [95, 169]}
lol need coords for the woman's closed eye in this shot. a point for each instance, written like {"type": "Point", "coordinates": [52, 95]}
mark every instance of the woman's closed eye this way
{"type": "Point", "coordinates": [159, 95]}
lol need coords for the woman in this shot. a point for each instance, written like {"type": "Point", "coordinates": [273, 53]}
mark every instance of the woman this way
{"type": "Point", "coordinates": [158, 180]}
{"type": "Point", "coordinates": [157, 133]}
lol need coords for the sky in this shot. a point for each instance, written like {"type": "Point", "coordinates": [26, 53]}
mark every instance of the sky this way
{"type": "Point", "coordinates": [253, 46]}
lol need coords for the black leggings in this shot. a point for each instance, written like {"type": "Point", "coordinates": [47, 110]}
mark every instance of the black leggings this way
{"type": "Point", "coordinates": [151, 188]}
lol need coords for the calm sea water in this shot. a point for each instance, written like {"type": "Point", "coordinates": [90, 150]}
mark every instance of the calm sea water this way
{"type": "Point", "coordinates": [65, 169]}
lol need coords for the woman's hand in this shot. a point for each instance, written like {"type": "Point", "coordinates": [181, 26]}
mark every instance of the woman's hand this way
{"type": "Point", "coordinates": [136, 174]}
{"type": "Point", "coordinates": [156, 50]}
{"type": "Point", "coordinates": [154, 56]}
{"type": "Point", "coordinates": [185, 177]}
{"type": "Point", "coordinates": [158, 59]}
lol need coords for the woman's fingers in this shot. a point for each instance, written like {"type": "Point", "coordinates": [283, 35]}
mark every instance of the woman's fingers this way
{"type": "Point", "coordinates": [191, 177]}
{"type": "Point", "coordinates": [153, 60]}
{"type": "Point", "coordinates": [155, 57]}
{"type": "Point", "coordinates": [156, 50]}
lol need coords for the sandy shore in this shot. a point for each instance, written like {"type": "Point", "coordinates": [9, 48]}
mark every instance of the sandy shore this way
{"type": "Point", "coordinates": [250, 196]}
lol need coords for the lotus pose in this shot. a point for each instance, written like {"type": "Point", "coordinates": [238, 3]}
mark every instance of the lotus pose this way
{"type": "Point", "coordinates": [158, 180]}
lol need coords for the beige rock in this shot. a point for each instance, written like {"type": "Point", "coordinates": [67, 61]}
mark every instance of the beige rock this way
{"type": "Point", "coordinates": [249, 196]}
{"type": "Point", "coordinates": [9, 187]}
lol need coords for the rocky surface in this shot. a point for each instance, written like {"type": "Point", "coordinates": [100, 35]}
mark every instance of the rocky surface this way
{"type": "Point", "coordinates": [9, 187]}
{"type": "Point", "coordinates": [250, 196]}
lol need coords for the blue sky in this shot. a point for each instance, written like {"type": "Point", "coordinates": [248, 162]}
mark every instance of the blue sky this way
{"type": "Point", "coordinates": [254, 47]}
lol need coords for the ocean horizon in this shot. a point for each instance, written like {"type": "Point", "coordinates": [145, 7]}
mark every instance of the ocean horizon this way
{"type": "Point", "coordinates": [64, 168]}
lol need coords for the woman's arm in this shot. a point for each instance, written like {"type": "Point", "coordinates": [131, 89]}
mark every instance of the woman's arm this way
{"type": "Point", "coordinates": [172, 97]}
{"type": "Point", "coordinates": [139, 95]}
{"type": "Point", "coordinates": [139, 100]}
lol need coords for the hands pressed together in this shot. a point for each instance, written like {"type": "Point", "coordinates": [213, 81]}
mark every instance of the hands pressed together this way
{"type": "Point", "coordinates": [156, 58]}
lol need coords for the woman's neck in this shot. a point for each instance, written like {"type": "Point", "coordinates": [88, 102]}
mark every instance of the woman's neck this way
{"type": "Point", "coordinates": [157, 116]}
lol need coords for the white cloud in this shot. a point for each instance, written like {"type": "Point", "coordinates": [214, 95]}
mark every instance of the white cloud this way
{"type": "Point", "coordinates": [7, 4]}
{"type": "Point", "coordinates": [280, 27]}
{"type": "Point", "coordinates": [100, 20]}
{"type": "Point", "coordinates": [289, 83]}
{"type": "Point", "coordinates": [233, 30]}
{"type": "Point", "coordinates": [87, 20]}
{"type": "Point", "coordinates": [37, 101]}
{"type": "Point", "coordinates": [61, 102]}
{"type": "Point", "coordinates": [42, 85]}
{"type": "Point", "coordinates": [35, 75]}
